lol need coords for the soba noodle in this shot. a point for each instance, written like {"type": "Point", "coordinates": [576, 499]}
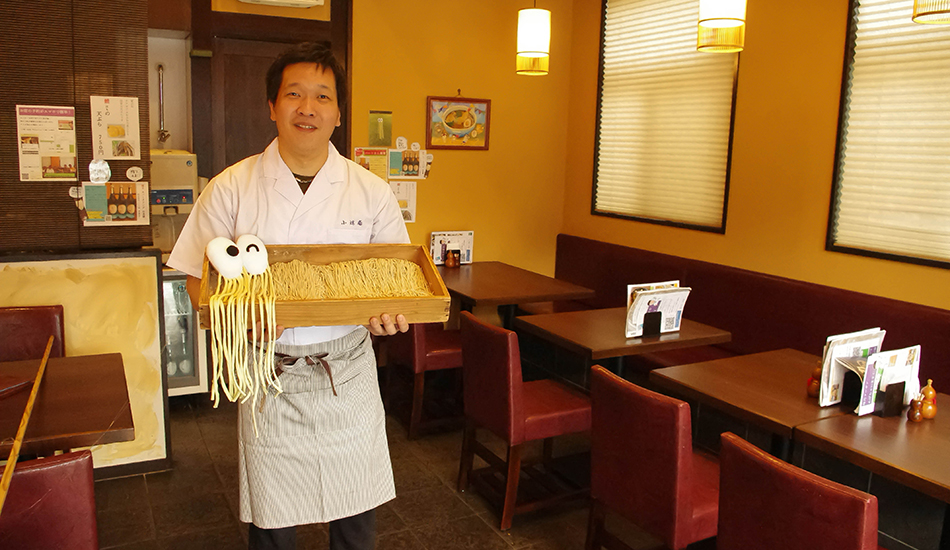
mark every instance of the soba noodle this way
{"type": "Point", "coordinates": [371, 278]}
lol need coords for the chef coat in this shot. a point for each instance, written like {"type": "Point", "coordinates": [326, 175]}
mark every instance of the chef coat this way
{"type": "Point", "coordinates": [345, 204]}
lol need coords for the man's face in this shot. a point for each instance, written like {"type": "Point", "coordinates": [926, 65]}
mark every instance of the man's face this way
{"type": "Point", "coordinates": [306, 110]}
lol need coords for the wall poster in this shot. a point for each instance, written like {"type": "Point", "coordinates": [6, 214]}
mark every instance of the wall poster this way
{"type": "Point", "coordinates": [46, 138]}
{"type": "Point", "coordinates": [115, 128]}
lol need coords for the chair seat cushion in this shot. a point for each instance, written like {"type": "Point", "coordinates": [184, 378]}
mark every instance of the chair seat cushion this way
{"type": "Point", "coordinates": [443, 349]}
{"type": "Point", "coordinates": [552, 409]}
{"type": "Point", "coordinates": [705, 490]}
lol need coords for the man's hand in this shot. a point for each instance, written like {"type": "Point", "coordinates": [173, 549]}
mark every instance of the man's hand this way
{"type": "Point", "coordinates": [386, 326]}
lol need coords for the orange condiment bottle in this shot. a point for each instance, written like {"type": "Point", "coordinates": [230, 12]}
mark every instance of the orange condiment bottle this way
{"type": "Point", "coordinates": [914, 413]}
{"type": "Point", "coordinates": [929, 406]}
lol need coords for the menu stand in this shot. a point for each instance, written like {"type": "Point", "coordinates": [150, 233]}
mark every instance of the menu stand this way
{"type": "Point", "coordinates": [651, 323]}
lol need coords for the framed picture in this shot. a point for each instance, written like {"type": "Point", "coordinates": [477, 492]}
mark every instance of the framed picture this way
{"type": "Point", "coordinates": [457, 123]}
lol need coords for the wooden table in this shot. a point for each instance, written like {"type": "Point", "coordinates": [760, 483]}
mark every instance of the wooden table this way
{"type": "Point", "coordinates": [915, 454]}
{"type": "Point", "coordinates": [82, 401]}
{"type": "Point", "coordinates": [764, 389]}
{"type": "Point", "coordinates": [597, 335]}
{"type": "Point", "coordinates": [506, 286]}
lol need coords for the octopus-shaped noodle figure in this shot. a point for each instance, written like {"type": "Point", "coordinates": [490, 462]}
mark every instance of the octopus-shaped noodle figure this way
{"type": "Point", "coordinates": [243, 297]}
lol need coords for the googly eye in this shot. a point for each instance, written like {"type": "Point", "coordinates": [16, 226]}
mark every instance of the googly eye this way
{"type": "Point", "coordinates": [225, 256]}
{"type": "Point", "coordinates": [253, 254]}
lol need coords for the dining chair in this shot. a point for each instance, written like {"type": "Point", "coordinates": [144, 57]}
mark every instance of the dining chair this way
{"type": "Point", "coordinates": [644, 468]}
{"type": "Point", "coordinates": [498, 400]}
{"type": "Point", "coordinates": [24, 332]}
{"type": "Point", "coordinates": [423, 348]}
{"type": "Point", "coordinates": [767, 503]}
{"type": "Point", "coordinates": [51, 504]}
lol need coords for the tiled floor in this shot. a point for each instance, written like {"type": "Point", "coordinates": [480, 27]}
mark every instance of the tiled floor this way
{"type": "Point", "coordinates": [194, 506]}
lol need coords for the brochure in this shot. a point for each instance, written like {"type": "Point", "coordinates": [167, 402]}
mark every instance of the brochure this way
{"type": "Point", "coordinates": [666, 298]}
{"type": "Point", "coordinates": [440, 241]}
{"type": "Point", "coordinates": [854, 345]}
{"type": "Point", "coordinates": [886, 368]}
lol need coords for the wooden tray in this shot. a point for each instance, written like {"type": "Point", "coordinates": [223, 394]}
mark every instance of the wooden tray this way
{"type": "Point", "coordinates": [355, 311]}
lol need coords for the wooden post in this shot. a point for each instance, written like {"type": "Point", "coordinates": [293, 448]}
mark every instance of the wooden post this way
{"type": "Point", "coordinates": [24, 420]}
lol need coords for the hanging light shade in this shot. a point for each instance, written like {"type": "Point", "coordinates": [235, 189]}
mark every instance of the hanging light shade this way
{"type": "Point", "coordinates": [721, 27]}
{"type": "Point", "coordinates": [720, 40]}
{"type": "Point", "coordinates": [931, 11]}
{"type": "Point", "coordinates": [534, 41]}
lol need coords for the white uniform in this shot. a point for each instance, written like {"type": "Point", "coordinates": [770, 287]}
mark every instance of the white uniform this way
{"type": "Point", "coordinates": [317, 457]}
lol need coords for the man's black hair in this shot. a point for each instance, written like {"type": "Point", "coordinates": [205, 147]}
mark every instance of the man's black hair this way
{"type": "Point", "coordinates": [307, 52]}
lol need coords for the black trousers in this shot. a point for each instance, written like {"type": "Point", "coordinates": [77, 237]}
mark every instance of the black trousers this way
{"type": "Point", "coordinates": [353, 533]}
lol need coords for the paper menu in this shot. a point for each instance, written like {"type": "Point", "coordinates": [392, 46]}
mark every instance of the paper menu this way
{"type": "Point", "coordinates": [440, 241]}
{"type": "Point", "coordinates": [115, 128]}
{"type": "Point", "coordinates": [893, 367]}
{"type": "Point", "coordinates": [861, 344]}
{"type": "Point", "coordinates": [666, 299]}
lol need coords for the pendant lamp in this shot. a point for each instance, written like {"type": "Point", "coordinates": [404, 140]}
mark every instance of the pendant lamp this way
{"type": "Point", "coordinates": [721, 27]}
{"type": "Point", "coordinates": [534, 41]}
{"type": "Point", "coordinates": [932, 11]}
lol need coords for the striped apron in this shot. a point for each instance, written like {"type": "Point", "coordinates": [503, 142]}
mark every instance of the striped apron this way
{"type": "Point", "coordinates": [317, 456]}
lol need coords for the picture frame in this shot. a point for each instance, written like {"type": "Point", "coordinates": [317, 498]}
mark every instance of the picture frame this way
{"type": "Point", "coordinates": [457, 123]}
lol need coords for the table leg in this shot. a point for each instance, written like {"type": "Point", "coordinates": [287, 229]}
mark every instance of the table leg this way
{"type": "Point", "coordinates": [945, 534]}
{"type": "Point", "coordinates": [781, 447]}
{"type": "Point", "coordinates": [613, 364]}
{"type": "Point", "coordinates": [507, 315]}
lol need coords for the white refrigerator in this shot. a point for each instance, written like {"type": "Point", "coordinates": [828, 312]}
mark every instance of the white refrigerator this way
{"type": "Point", "coordinates": [185, 356]}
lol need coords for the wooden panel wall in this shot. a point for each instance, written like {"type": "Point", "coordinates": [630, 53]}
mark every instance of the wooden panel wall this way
{"type": "Point", "coordinates": [59, 52]}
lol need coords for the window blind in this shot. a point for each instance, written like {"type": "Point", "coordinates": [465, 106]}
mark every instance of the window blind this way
{"type": "Point", "coordinates": [665, 117]}
{"type": "Point", "coordinates": [892, 189]}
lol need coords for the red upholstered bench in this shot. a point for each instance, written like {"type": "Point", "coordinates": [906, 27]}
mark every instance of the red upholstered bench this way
{"type": "Point", "coordinates": [763, 312]}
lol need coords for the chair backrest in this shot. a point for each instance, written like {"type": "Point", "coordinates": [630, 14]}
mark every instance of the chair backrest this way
{"type": "Point", "coordinates": [641, 455]}
{"type": "Point", "coordinates": [491, 370]}
{"type": "Point", "coordinates": [51, 504]}
{"type": "Point", "coordinates": [24, 332]}
{"type": "Point", "coordinates": [408, 348]}
{"type": "Point", "coordinates": [765, 502]}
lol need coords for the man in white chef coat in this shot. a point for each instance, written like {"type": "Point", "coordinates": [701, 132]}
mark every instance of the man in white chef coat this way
{"type": "Point", "coordinates": [320, 452]}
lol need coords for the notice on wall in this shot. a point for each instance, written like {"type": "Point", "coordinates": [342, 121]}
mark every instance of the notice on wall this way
{"type": "Point", "coordinates": [46, 137]}
{"type": "Point", "coordinates": [381, 128]}
{"type": "Point", "coordinates": [374, 159]}
{"type": "Point", "coordinates": [115, 128]}
{"type": "Point", "coordinates": [114, 203]}
{"type": "Point", "coordinates": [408, 164]}
{"type": "Point", "coordinates": [405, 192]}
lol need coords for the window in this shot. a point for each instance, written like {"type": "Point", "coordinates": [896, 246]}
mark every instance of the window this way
{"type": "Point", "coordinates": [891, 195]}
{"type": "Point", "coordinates": [664, 128]}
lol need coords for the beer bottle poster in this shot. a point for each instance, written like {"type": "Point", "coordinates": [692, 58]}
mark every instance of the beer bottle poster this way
{"type": "Point", "coordinates": [114, 203]}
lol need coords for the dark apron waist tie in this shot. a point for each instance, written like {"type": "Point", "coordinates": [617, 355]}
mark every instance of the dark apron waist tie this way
{"type": "Point", "coordinates": [312, 360]}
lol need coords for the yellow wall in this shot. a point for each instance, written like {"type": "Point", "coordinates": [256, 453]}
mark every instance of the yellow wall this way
{"type": "Point", "coordinates": [783, 158]}
{"type": "Point", "coordinates": [512, 195]}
